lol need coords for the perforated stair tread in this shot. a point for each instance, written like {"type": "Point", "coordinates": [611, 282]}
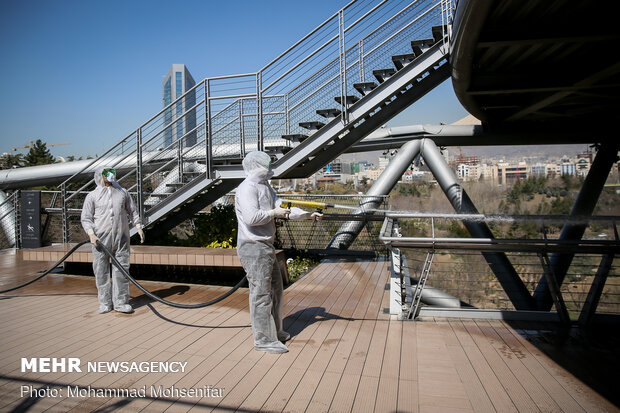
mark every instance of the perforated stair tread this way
{"type": "Point", "coordinates": [295, 137]}
{"type": "Point", "coordinates": [400, 60]}
{"type": "Point", "coordinates": [364, 87]}
{"type": "Point", "coordinates": [438, 32]}
{"type": "Point", "coordinates": [349, 99]}
{"type": "Point", "coordinates": [419, 46]}
{"type": "Point", "coordinates": [278, 148]}
{"type": "Point", "coordinates": [383, 74]}
{"type": "Point", "coordinates": [329, 114]}
{"type": "Point", "coordinates": [312, 125]}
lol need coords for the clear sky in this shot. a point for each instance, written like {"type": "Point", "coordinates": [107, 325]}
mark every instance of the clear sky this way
{"type": "Point", "coordinates": [89, 72]}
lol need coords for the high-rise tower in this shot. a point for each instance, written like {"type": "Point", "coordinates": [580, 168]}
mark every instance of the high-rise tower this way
{"type": "Point", "coordinates": [180, 115]}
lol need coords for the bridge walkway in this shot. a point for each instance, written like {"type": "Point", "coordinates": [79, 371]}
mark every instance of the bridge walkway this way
{"type": "Point", "coordinates": [346, 353]}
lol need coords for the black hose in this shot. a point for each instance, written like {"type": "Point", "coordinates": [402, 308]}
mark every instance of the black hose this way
{"type": "Point", "coordinates": [130, 278]}
{"type": "Point", "coordinates": [161, 300]}
{"type": "Point", "coordinates": [71, 251]}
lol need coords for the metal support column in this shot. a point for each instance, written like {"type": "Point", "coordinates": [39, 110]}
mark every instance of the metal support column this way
{"type": "Point", "coordinates": [594, 295]}
{"type": "Point", "coordinates": [588, 196]}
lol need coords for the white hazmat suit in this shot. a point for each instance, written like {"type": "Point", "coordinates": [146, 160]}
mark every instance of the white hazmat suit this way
{"type": "Point", "coordinates": [105, 217]}
{"type": "Point", "coordinates": [256, 206]}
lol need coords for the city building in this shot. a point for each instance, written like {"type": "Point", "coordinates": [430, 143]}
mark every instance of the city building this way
{"type": "Point", "coordinates": [568, 167]}
{"type": "Point", "coordinates": [539, 169]}
{"type": "Point", "coordinates": [582, 167]}
{"type": "Point", "coordinates": [180, 116]}
{"type": "Point", "coordinates": [507, 172]}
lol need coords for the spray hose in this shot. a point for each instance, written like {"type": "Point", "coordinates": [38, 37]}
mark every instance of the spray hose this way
{"type": "Point", "coordinates": [130, 278]}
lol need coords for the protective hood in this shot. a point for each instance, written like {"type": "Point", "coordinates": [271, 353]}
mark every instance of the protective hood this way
{"type": "Point", "coordinates": [257, 165]}
{"type": "Point", "coordinates": [100, 180]}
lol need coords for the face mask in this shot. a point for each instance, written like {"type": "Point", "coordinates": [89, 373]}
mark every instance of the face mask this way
{"type": "Point", "coordinates": [109, 174]}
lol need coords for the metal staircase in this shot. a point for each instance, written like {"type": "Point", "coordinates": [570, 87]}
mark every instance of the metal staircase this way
{"type": "Point", "coordinates": [349, 76]}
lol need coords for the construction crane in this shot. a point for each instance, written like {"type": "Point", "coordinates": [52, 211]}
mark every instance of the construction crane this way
{"type": "Point", "coordinates": [47, 144]}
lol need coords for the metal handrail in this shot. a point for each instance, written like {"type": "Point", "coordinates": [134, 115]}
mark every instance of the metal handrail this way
{"type": "Point", "coordinates": [377, 16]}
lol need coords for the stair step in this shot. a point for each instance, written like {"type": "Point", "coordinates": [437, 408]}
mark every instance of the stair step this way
{"type": "Point", "coordinates": [175, 185]}
{"type": "Point", "coordinates": [419, 46]}
{"type": "Point", "coordinates": [349, 99]}
{"type": "Point", "coordinates": [438, 32]}
{"type": "Point", "coordinates": [278, 148]}
{"type": "Point", "coordinates": [400, 60]}
{"type": "Point", "coordinates": [383, 74]}
{"type": "Point", "coordinates": [160, 195]}
{"type": "Point", "coordinates": [364, 87]}
{"type": "Point", "coordinates": [328, 113]}
{"type": "Point", "coordinates": [313, 125]}
{"type": "Point", "coordinates": [296, 137]}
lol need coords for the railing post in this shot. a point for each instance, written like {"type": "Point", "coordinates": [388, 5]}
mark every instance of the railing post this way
{"type": "Point", "coordinates": [259, 111]}
{"type": "Point", "coordinates": [17, 215]}
{"type": "Point", "coordinates": [139, 183]}
{"type": "Point", "coordinates": [241, 128]}
{"type": "Point", "coordinates": [209, 137]}
{"type": "Point", "coordinates": [343, 67]}
{"type": "Point", "coordinates": [287, 119]}
{"type": "Point", "coordinates": [65, 214]}
{"type": "Point", "coordinates": [361, 60]}
{"type": "Point", "coordinates": [180, 159]}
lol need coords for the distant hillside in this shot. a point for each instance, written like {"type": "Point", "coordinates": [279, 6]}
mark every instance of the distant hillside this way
{"type": "Point", "coordinates": [533, 152]}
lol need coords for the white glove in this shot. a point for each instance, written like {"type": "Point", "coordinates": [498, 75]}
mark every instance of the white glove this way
{"type": "Point", "coordinates": [278, 212]}
{"type": "Point", "coordinates": [141, 233]}
{"type": "Point", "coordinates": [316, 216]}
{"type": "Point", "coordinates": [93, 239]}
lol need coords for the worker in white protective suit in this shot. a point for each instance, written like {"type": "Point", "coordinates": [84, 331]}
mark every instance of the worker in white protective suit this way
{"type": "Point", "coordinates": [105, 217]}
{"type": "Point", "coordinates": [256, 205]}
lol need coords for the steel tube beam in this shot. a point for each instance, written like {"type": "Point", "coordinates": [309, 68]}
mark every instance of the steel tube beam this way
{"type": "Point", "coordinates": [584, 206]}
{"type": "Point", "coordinates": [499, 263]}
{"type": "Point", "coordinates": [384, 184]}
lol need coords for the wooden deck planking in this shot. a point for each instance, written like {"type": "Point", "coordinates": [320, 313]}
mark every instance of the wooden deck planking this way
{"type": "Point", "coordinates": [318, 333]}
{"type": "Point", "coordinates": [512, 386]}
{"type": "Point", "coordinates": [287, 380]}
{"type": "Point", "coordinates": [321, 299]}
{"type": "Point", "coordinates": [334, 328]}
{"type": "Point", "coordinates": [513, 359]}
{"type": "Point", "coordinates": [355, 349]}
{"type": "Point", "coordinates": [587, 400]}
{"type": "Point", "coordinates": [355, 359]}
{"type": "Point", "coordinates": [313, 283]}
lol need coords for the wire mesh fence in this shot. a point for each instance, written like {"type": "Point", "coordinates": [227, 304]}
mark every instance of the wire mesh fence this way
{"type": "Point", "coordinates": [467, 276]}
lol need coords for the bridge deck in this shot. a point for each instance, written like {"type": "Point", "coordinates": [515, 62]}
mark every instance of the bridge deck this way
{"type": "Point", "coordinates": [346, 353]}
